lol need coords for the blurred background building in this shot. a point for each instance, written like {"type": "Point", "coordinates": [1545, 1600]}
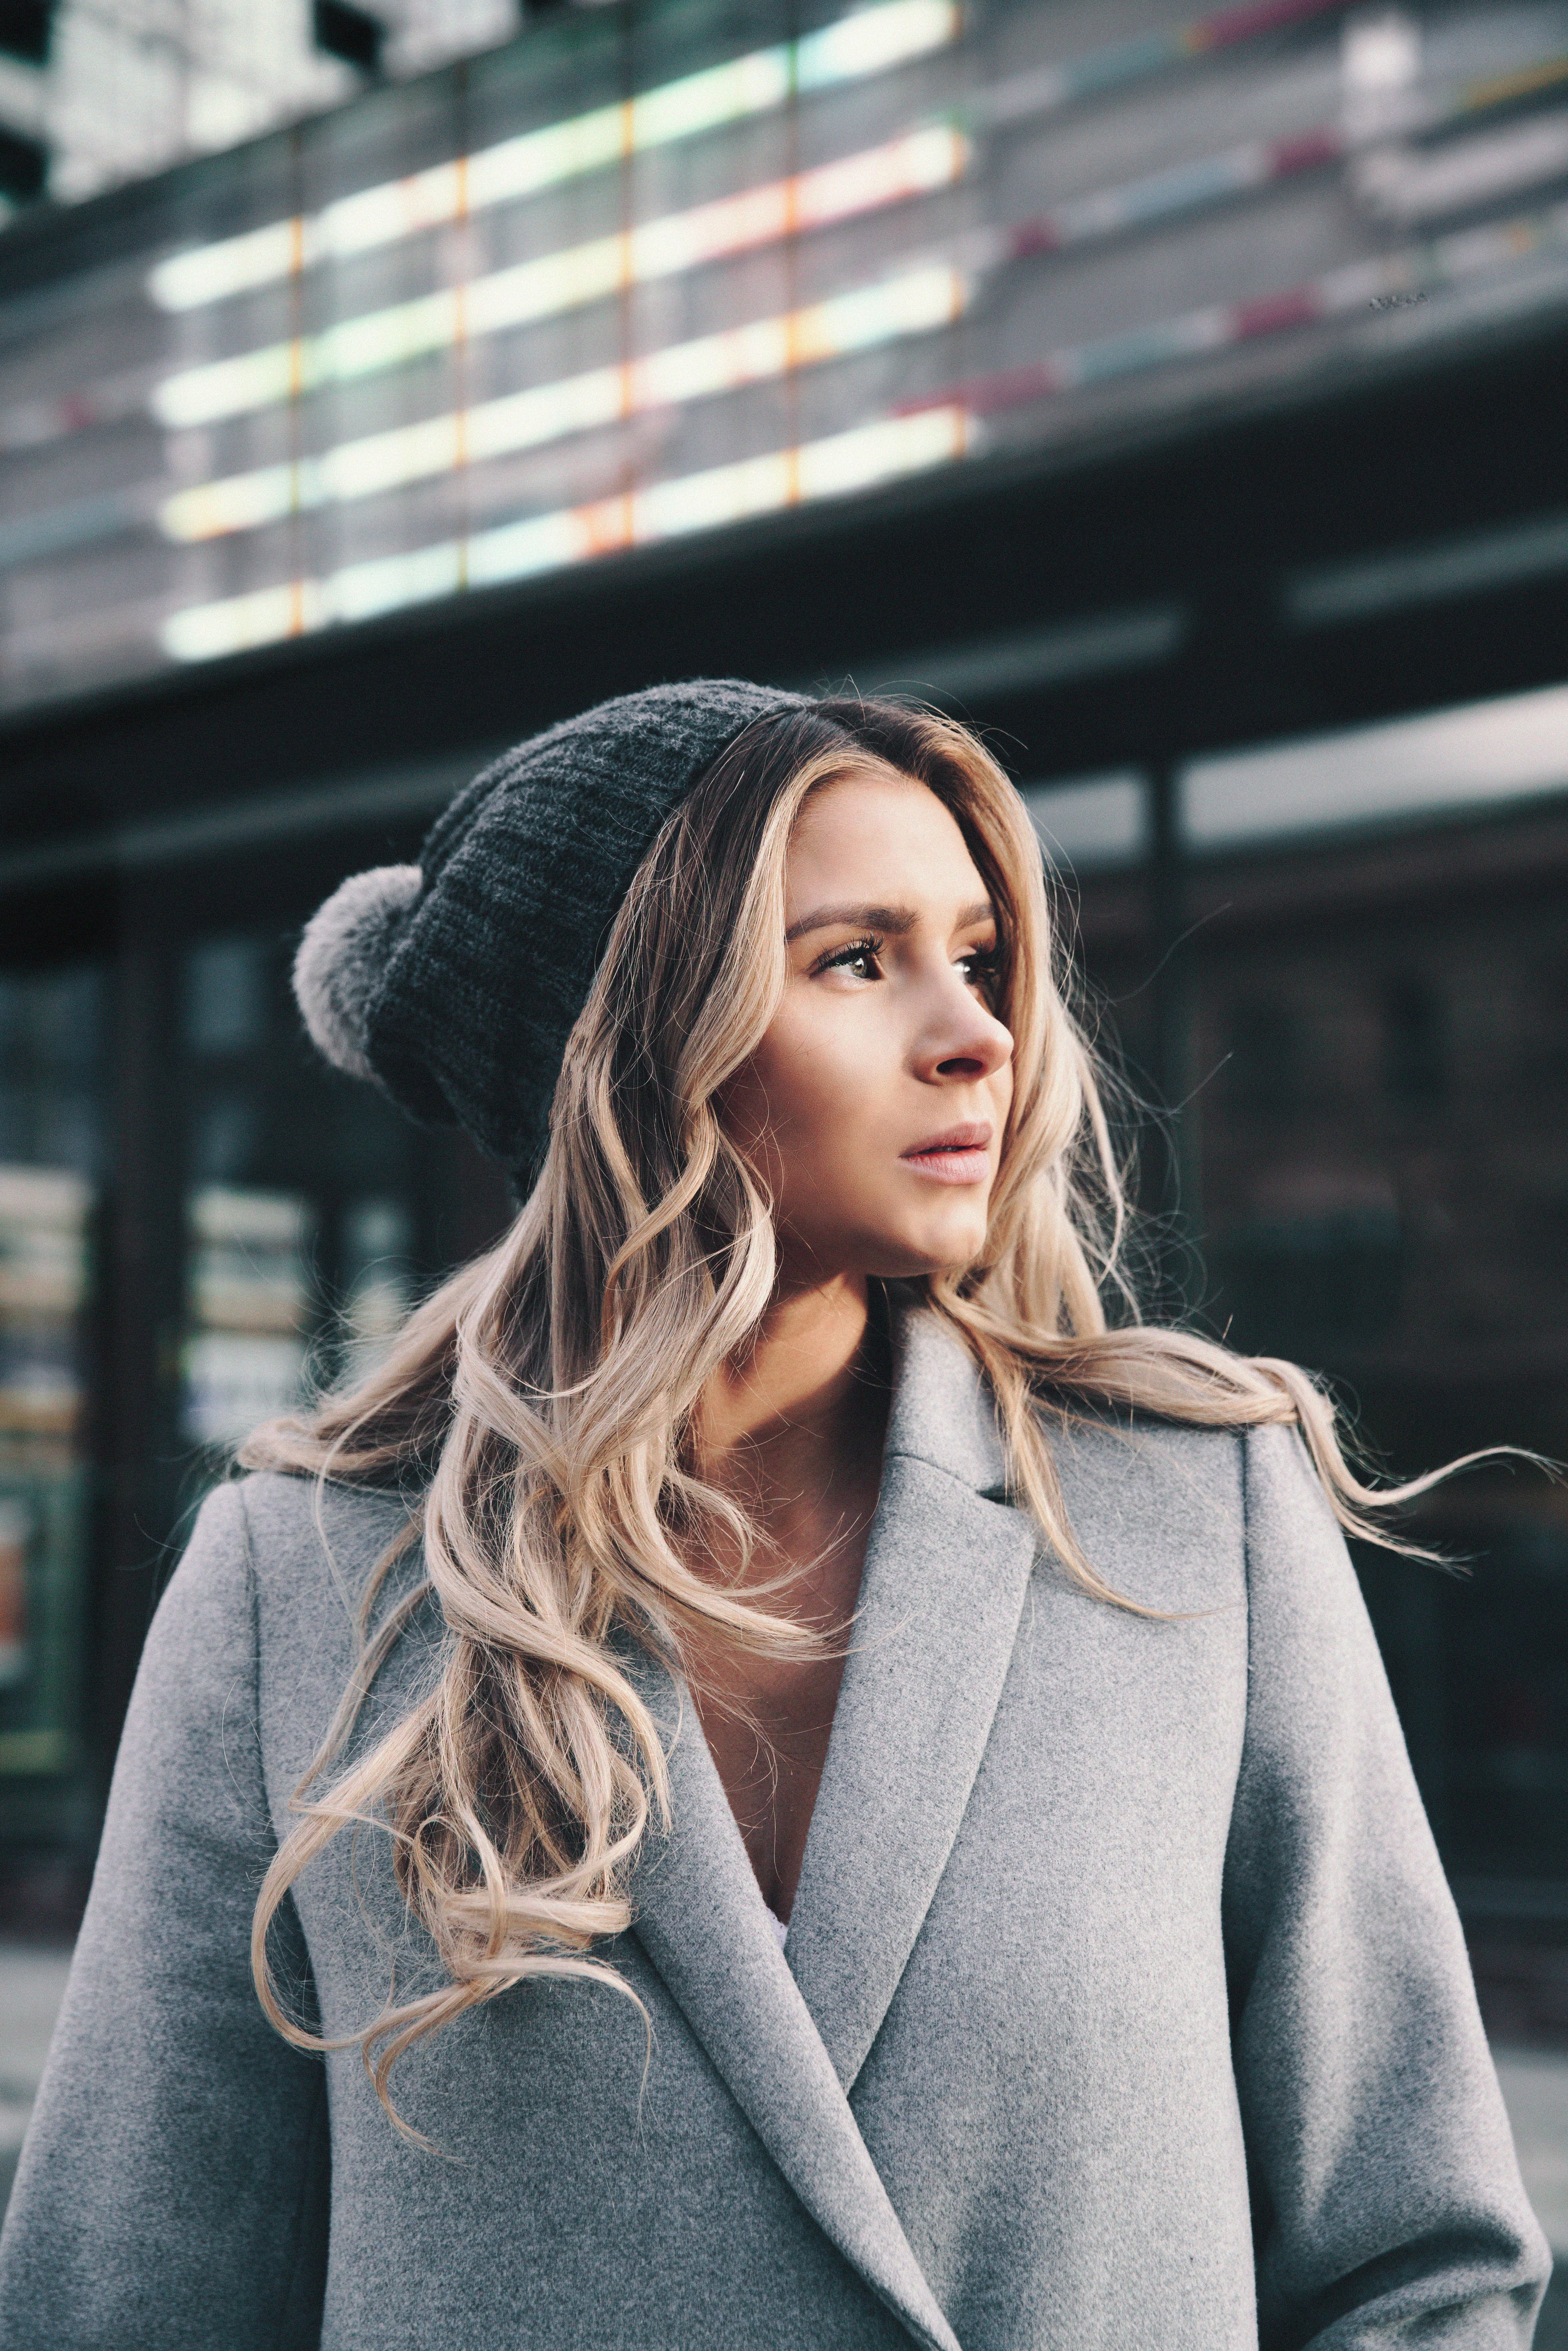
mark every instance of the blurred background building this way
{"type": "Point", "coordinates": [1179, 396]}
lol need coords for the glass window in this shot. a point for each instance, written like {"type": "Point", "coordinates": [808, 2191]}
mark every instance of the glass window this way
{"type": "Point", "coordinates": [249, 1310]}
{"type": "Point", "coordinates": [377, 1286]}
{"type": "Point", "coordinates": [50, 1035]}
{"type": "Point", "coordinates": [303, 1203]}
{"type": "Point", "coordinates": [648, 272]}
{"type": "Point", "coordinates": [1407, 770]}
{"type": "Point", "coordinates": [1091, 822]}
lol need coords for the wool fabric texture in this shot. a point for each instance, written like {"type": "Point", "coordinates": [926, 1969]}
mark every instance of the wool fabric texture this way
{"type": "Point", "coordinates": [1123, 2008]}
{"type": "Point", "coordinates": [454, 983]}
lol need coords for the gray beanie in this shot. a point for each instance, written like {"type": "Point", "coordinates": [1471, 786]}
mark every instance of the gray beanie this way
{"type": "Point", "coordinates": [454, 983]}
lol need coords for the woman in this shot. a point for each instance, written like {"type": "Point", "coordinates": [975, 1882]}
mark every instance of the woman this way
{"type": "Point", "coordinates": [771, 1525]}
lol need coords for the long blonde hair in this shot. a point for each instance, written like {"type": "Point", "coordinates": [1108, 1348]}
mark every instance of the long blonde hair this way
{"type": "Point", "coordinates": [541, 1403]}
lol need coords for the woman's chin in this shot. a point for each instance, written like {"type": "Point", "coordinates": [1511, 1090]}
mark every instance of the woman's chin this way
{"type": "Point", "coordinates": [946, 1249]}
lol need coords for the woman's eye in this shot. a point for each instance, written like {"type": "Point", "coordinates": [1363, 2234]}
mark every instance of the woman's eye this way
{"type": "Point", "coordinates": [982, 967]}
{"type": "Point", "coordinates": [859, 958]}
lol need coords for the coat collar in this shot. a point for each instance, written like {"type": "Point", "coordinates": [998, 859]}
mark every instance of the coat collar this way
{"type": "Point", "coordinates": [942, 1409]}
{"type": "Point", "coordinates": [941, 1590]}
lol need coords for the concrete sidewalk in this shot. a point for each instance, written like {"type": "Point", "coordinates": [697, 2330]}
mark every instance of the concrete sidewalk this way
{"type": "Point", "coordinates": [1535, 2082]}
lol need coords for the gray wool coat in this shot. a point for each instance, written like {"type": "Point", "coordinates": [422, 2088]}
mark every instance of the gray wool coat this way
{"type": "Point", "coordinates": [1124, 2004]}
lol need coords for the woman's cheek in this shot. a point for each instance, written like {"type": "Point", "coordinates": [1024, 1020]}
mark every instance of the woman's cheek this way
{"type": "Point", "coordinates": [823, 1072]}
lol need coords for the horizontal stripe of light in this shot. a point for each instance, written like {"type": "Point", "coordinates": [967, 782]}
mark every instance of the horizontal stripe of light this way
{"type": "Point", "coordinates": [1407, 272]}
{"type": "Point", "coordinates": [914, 303]}
{"type": "Point", "coordinates": [871, 41]}
{"type": "Point", "coordinates": [1408, 185]}
{"type": "Point", "coordinates": [832, 468]}
{"type": "Point", "coordinates": [1406, 767]}
{"type": "Point", "coordinates": [1098, 71]}
{"type": "Point", "coordinates": [916, 164]}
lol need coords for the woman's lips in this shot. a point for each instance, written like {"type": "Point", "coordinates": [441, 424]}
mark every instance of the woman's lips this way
{"type": "Point", "coordinates": [962, 1156]}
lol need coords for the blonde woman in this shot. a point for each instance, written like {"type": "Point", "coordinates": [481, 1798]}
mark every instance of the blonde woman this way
{"type": "Point", "coordinates": [777, 1776]}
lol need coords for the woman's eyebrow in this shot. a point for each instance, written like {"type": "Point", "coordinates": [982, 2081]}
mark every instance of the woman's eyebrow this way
{"type": "Point", "coordinates": [894, 920]}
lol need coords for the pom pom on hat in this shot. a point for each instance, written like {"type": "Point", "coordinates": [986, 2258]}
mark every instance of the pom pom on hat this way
{"type": "Point", "coordinates": [343, 961]}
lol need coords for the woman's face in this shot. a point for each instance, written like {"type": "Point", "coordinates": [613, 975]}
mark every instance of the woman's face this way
{"type": "Point", "coordinates": [875, 1104]}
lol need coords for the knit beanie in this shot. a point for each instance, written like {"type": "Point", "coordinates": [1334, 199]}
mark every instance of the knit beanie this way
{"type": "Point", "coordinates": [454, 983]}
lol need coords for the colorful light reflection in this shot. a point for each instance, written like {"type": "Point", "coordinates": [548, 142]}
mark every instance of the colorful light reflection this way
{"type": "Point", "coordinates": [869, 41]}
{"type": "Point", "coordinates": [914, 303]}
{"type": "Point", "coordinates": [832, 467]}
{"type": "Point", "coordinates": [918, 163]}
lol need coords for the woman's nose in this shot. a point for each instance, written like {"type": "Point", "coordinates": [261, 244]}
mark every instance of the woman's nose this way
{"type": "Point", "coordinates": [967, 1040]}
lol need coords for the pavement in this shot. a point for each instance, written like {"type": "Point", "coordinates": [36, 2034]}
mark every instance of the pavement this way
{"type": "Point", "coordinates": [1534, 2085]}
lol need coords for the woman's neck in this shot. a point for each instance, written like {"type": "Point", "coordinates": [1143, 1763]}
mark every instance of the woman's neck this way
{"type": "Point", "coordinates": [794, 1432]}
{"type": "Point", "coordinates": [795, 1428]}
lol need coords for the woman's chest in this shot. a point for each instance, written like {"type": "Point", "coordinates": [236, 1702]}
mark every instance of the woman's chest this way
{"type": "Point", "coordinates": [1075, 1894]}
{"type": "Point", "coordinates": [1041, 2076]}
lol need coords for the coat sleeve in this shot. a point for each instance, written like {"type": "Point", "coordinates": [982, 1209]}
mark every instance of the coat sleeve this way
{"type": "Point", "coordinates": [1387, 2205]}
{"type": "Point", "coordinates": [172, 2188]}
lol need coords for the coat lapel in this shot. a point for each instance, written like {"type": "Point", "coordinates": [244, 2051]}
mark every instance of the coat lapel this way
{"type": "Point", "coordinates": [942, 1592]}
{"type": "Point", "coordinates": [700, 1918]}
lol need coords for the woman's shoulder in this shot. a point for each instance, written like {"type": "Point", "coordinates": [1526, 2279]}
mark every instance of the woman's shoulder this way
{"type": "Point", "coordinates": [1143, 1458]}
{"type": "Point", "coordinates": [285, 1506]}
{"type": "Point", "coordinates": [306, 1542]}
{"type": "Point", "coordinates": [274, 1579]}
{"type": "Point", "coordinates": [1193, 1507]}
{"type": "Point", "coordinates": [1157, 1508]}
{"type": "Point", "coordinates": [1147, 1460]}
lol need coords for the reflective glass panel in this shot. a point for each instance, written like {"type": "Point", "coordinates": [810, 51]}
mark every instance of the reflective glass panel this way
{"type": "Point", "coordinates": [644, 274]}
{"type": "Point", "coordinates": [50, 1037]}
